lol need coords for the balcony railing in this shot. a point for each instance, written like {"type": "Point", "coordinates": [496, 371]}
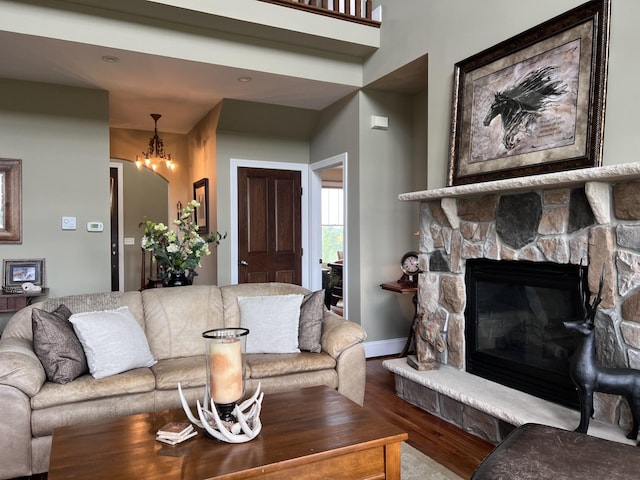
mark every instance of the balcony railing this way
{"type": "Point", "coordinates": [359, 11]}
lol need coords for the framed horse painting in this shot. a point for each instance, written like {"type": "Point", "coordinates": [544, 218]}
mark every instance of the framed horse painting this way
{"type": "Point", "coordinates": [533, 104]}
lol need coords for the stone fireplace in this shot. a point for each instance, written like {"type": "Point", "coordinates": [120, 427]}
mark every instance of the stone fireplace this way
{"type": "Point", "coordinates": [588, 218]}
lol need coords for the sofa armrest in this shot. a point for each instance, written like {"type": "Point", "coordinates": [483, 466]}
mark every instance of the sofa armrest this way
{"type": "Point", "coordinates": [15, 433]}
{"type": "Point", "coordinates": [339, 334]}
{"type": "Point", "coordinates": [20, 367]}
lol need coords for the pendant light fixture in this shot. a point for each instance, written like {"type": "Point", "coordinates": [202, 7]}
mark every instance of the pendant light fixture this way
{"type": "Point", "coordinates": [155, 153]}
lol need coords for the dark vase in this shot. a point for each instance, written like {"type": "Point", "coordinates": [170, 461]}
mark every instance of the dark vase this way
{"type": "Point", "coordinates": [177, 279]}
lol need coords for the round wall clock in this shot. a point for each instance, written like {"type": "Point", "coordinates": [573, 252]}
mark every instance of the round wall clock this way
{"type": "Point", "coordinates": [410, 267]}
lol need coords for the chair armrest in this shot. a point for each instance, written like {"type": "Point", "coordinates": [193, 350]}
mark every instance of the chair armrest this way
{"type": "Point", "coordinates": [20, 367]}
{"type": "Point", "coordinates": [339, 334]}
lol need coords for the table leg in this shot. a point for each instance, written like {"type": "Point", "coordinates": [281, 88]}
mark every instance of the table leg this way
{"type": "Point", "coordinates": [414, 322]}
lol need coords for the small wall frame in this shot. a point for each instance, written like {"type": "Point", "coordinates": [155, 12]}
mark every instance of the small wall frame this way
{"type": "Point", "coordinates": [10, 200]}
{"type": "Point", "coordinates": [201, 195]}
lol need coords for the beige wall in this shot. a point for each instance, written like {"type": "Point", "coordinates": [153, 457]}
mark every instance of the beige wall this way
{"type": "Point", "coordinates": [244, 146]}
{"type": "Point", "coordinates": [145, 196]}
{"type": "Point", "coordinates": [62, 136]}
{"type": "Point", "coordinates": [452, 31]}
{"type": "Point", "coordinates": [202, 152]}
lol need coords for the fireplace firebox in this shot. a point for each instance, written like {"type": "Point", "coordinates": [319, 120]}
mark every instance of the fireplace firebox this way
{"type": "Point", "coordinates": [514, 331]}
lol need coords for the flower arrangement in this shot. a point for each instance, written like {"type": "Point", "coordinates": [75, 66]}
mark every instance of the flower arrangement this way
{"type": "Point", "coordinates": [179, 250]}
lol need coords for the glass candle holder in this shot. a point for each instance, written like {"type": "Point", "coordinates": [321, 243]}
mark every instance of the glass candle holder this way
{"type": "Point", "coordinates": [225, 349]}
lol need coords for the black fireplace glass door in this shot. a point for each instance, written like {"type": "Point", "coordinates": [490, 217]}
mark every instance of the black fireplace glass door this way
{"type": "Point", "coordinates": [515, 334]}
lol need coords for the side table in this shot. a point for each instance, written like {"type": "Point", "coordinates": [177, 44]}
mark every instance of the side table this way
{"type": "Point", "coordinates": [406, 289]}
{"type": "Point", "coordinates": [12, 302]}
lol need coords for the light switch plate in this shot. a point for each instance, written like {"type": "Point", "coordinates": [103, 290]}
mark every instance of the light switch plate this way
{"type": "Point", "coordinates": [68, 223]}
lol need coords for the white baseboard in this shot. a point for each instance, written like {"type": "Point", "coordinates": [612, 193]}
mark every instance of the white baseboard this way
{"type": "Point", "coordinates": [383, 348]}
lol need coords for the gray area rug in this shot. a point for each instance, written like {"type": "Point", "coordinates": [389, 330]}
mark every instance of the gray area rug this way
{"type": "Point", "coordinates": [415, 465]}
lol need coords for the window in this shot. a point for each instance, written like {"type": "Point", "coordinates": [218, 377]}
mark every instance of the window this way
{"type": "Point", "coordinates": [332, 224]}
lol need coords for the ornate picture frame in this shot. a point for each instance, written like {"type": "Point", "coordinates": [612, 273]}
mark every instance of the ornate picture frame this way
{"type": "Point", "coordinates": [201, 214]}
{"type": "Point", "coordinates": [19, 271]}
{"type": "Point", "coordinates": [10, 200]}
{"type": "Point", "coordinates": [534, 103]}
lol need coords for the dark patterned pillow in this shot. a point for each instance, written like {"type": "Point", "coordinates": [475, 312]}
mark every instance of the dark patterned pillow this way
{"type": "Point", "coordinates": [310, 331]}
{"type": "Point", "coordinates": [57, 345]}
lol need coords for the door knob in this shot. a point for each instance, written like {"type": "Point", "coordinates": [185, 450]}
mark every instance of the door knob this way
{"type": "Point", "coordinates": [244, 263]}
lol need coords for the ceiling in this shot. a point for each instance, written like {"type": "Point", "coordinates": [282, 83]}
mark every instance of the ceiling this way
{"type": "Point", "coordinates": [140, 84]}
{"type": "Point", "coordinates": [182, 91]}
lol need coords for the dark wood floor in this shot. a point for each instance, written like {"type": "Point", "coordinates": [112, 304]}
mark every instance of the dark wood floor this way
{"type": "Point", "coordinates": [447, 444]}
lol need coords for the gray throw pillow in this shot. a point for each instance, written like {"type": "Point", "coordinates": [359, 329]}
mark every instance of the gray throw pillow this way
{"type": "Point", "coordinates": [57, 345]}
{"type": "Point", "coordinates": [310, 330]}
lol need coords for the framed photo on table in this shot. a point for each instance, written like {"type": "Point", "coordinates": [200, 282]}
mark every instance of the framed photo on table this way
{"type": "Point", "coordinates": [17, 272]}
{"type": "Point", "coordinates": [201, 195]}
{"type": "Point", "coordinates": [534, 103]}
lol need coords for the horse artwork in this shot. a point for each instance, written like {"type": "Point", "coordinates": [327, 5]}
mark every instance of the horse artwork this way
{"type": "Point", "coordinates": [589, 377]}
{"type": "Point", "coordinates": [520, 105]}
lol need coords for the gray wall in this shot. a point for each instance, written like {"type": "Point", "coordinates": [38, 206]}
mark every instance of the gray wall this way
{"type": "Point", "coordinates": [62, 136]}
{"type": "Point", "coordinates": [249, 146]}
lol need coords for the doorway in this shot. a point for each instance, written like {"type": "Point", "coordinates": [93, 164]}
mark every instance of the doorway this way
{"type": "Point", "coordinates": [327, 265]}
{"type": "Point", "coordinates": [116, 226]}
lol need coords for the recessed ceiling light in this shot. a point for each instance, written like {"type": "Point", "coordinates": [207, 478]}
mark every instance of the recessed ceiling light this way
{"type": "Point", "coordinates": [244, 79]}
{"type": "Point", "coordinates": [110, 59]}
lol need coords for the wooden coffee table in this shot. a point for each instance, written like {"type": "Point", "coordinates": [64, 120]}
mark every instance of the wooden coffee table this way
{"type": "Point", "coordinates": [313, 433]}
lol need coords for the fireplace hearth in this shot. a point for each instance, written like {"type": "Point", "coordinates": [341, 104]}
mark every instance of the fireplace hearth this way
{"type": "Point", "coordinates": [514, 331]}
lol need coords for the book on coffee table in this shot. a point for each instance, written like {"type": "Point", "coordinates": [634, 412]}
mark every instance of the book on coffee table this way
{"type": "Point", "coordinates": [175, 432]}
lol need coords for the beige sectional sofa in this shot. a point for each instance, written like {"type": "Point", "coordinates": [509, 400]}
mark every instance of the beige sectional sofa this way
{"type": "Point", "coordinates": [173, 320]}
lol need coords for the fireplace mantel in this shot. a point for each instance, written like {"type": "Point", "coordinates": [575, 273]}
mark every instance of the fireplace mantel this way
{"type": "Point", "coordinates": [611, 173]}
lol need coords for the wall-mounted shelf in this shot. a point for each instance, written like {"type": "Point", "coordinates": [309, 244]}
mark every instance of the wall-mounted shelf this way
{"type": "Point", "coordinates": [12, 302]}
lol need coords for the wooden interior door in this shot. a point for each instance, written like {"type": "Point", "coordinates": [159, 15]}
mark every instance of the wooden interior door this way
{"type": "Point", "coordinates": [269, 226]}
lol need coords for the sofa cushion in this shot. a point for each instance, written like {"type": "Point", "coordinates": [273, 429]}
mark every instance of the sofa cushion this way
{"type": "Point", "coordinates": [57, 345]}
{"type": "Point", "coordinates": [272, 365]}
{"type": "Point", "coordinates": [86, 387]}
{"type": "Point", "coordinates": [311, 312]}
{"type": "Point", "coordinates": [180, 315]}
{"type": "Point", "coordinates": [273, 322]}
{"type": "Point", "coordinates": [188, 371]}
{"type": "Point", "coordinates": [45, 420]}
{"type": "Point", "coordinates": [112, 340]}
{"type": "Point", "coordinates": [294, 381]}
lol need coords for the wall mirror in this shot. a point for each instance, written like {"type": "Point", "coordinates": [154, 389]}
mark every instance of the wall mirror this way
{"type": "Point", "coordinates": [10, 200]}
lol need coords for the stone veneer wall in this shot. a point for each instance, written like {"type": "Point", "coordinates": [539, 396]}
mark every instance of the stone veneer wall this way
{"type": "Point", "coordinates": [592, 223]}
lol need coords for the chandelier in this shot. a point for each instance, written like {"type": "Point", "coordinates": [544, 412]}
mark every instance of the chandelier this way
{"type": "Point", "coordinates": [155, 153]}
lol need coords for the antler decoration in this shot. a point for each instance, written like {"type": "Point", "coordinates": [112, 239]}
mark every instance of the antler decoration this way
{"type": "Point", "coordinates": [247, 413]}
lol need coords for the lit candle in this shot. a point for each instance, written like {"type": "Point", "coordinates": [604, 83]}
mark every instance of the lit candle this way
{"type": "Point", "coordinates": [225, 357]}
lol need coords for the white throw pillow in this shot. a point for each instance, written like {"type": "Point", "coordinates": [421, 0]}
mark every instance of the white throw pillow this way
{"type": "Point", "coordinates": [113, 341]}
{"type": "Point", "coordinates": [272, 321]}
